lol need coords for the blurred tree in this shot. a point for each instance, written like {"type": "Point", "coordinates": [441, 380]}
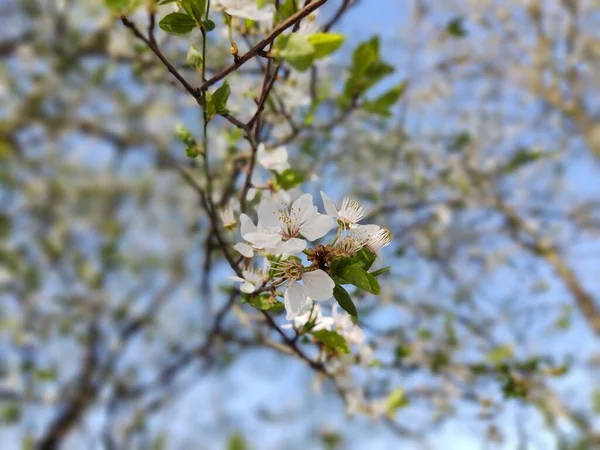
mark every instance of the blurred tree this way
{"type": "Point", "coordinates": [470, 134]}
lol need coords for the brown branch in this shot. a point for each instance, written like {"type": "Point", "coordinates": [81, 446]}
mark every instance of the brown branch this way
{"type": "Point", "coordinates": [86, 390]}
{"type": "Point", "coordinates": [151, 43]}
{"type": "Point", "coordinates": [254, 51]}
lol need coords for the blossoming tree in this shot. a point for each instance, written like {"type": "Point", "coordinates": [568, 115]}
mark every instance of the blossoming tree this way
{"type": "Point", "coordinates": [202, 199]}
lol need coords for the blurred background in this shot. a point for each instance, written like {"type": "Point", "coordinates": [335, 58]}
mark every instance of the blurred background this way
{"type": "Point", "coordinates": [486, 171]}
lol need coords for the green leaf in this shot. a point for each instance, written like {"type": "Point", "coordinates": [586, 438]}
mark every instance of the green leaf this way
{"type": "Point", "coordinates": [177, 23]}
{"type": "Point", "coordinates": [382, 104]}
{"type": "Point", "coordinates": [116, 5]}
{"type": "Point", "coordinates": [360, 278]}
{"type": "Point", "coordinates": [236, 441]}
{"type": "Point", "coordinates": [5, 225]}
{"type": "Point", "coordinates": [191, 152]}
{"type": "Point", "coordinates": [459, 142]}
{"type": "Point", "coordinates": [208, 25]}
{"type": "Point", "coordinates": [195, 8]}
{"type": "Point", "coordinates": [336, 265]}
{"type": "Point", "coordinates": [289, 179]}
{"type": "Point", "coordinates": [44, 374]}
{"type": "Point", "coordinates": [286, 9]}
{"type": "Point", "coordinates": [381, 271]}
{"type": "Point", "coordinates": [522, 158]}
{"type": "Point", "coordinates": [10, 413]}
{"type": "Point", "coordinates": [396, 400]}
{"type": "Point", "coordinates": [596, 401]}
{"type": "Point", "coordinates": [365, 55]}
{"type": "Point", "coordinates": [500, 354]}
{"type": "Point", "coordinates": [220, 96]}
{"type": "Point", "coordinates": [366, 257]}
{"type": "Point", "coordinates": [344, 300]}
{"type": "Point", "coordinates": [332, 340]}
{"type": "Point", "coordinates": [367, 69]}
{"type": "Point", "coordinates": [456, 28]}
{"type": "Point", "coordinates": [297, 51]}
{"type": "Point", "coordinates": [194, 57]}
{"type": "Point", "coordinates": [264, 302]}
{"type": "Point", "coordinates": [184, 135]}
{"type": "Point", "coordinates": [325, 43]}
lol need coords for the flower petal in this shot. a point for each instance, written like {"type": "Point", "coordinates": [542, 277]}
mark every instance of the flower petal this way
{"type": "Point", "coordinates": [318, 285]}
{"type": "Point", "coordinates": [246, 225]}
{"type": "Point", "coordinates": [268, 215]}
{"type": "Point", "coordinates": [247, 288]}
{"type": "Point", "coordinates": [302, 209]}
{"type": "Point", "coordinates": [330, 208]}
{"type": "Point", "coordinates": [293, 245]}
{"type": "Point", "coordinates": [244, 249]}
{"type": "Point", "coordinates": [317, 227]}
{"type": "Point", "coordinates": [366, 231]}
{"type": "Point", "coordinates": [294, 299]}
{"type": "Point", "coordinates": [263, 239]}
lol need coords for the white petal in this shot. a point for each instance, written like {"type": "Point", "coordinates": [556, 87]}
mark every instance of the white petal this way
{"type": "Point", "coordinates": [318, 285]}
{"type": "Point", "coordinates": [268, 215]}
{"type": "Point", "coordinates": [247, 288]}
{"type": "Point", "coordinates": [235, 278]}
{"type": "Point", "coordinates": [302, 209]}
{"type": "Point", "coordinates": [252, 12]}
{"type": "Point", "coordinates": [366, 231]}
{"type": "Point", "coordinates": [244, 249]}
{"type": "Point", "coordinates": [329, 205]}
{"type": "Point", "coordinates": [246, 225]}
{"type": "Point", "coordinates": [293, 195]}
{"type": "Point", "coordinates": [294, 300]}
{"type": "Point", "coordinates": [262, 156]}
{"type": "Point", "coordinates": [263, 239]}
{"type": "Point", "coordinates": [317, 227]}
{"type": "Point", "coordinates": [293, 245]}
{"type": "Point", "coordinates": [279, 155]}
{"type": "Point", "coordinates": [251, 194]}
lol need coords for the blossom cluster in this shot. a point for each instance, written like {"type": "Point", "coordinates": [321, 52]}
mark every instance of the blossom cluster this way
{"type": "Point", "coordinates": [299, 265]}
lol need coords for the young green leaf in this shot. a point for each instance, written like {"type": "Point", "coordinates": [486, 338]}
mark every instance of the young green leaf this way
{"type": "Point", "coordinates": [220, 97]}
{"type": "Point", "coordinates": [177, 23]}
{"type": "Point", "coordinates": [456, 27]}
{"type": "Point", "coordinates": [379, 272]}
{"type": "Point", "coordinates": [117, 6]}
{"type": "Point", "coordinates": [332, 340]}
{"type": "Point", "coordinates": [396, 400]}
{"type": "Point", "coordinates": [344, 300]}
{"type": "Point", "coordinates": [264, 302]}
{"type": "Point", "coordinates": [297, 51]}
{"type": "Point", "coordinates": [194, 57]}
{"type": "Point", "coordinates": [336, 265]}
{"type": "Point", "coordinates": [286, 9]}
{"type": "Point", "coordinates": [360, 278]}
{"type": "Point", "coordinates": [325, 43]}
{"type": "Point", "coordinates": [194, 8]}
{"type": "Point", "coordinates": [289, 179]}
{"type": "Point", "coordinates": [366, 257]}
{"type": "Point", "coordinates": [382, 104]}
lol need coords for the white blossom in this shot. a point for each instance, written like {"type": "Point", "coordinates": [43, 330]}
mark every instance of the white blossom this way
{"type": "Point", "coordinates": [246, 9]}
{"type": "Point", "coordinates": [301, 286]}
{"type": "Point", "coordinates": [227, 217]}
{"type": "Point", "coordinates": [244, 249]}
{"type": "Point", "coordinates": [381, 239]}
{"type": "Point", "coordinates": [251, 281]}
{"type": "Point", "coordinates": [313, 315]}
{"type": "Point", "coordinates": [275, 159]}
{"type": "Point", "coordinates": [279, 226]}
{"type": "Point", "coordinates": [348, 215]}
